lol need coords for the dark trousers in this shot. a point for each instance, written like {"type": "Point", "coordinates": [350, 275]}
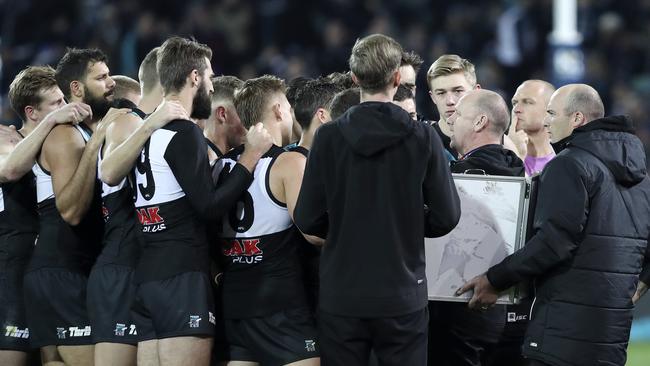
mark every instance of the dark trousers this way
{"type": "Point", "coordinates": [459, 336]}
{"type": "Point", "coordinates": [397, 341]}
{"type": "Point", "coordinates": [536, 363]}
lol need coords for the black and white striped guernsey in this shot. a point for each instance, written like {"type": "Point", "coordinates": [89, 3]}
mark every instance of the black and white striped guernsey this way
{"type": "Point", "coordinates": [176, 198]}
{"type": "Point", "coordinates": [59, 244]}
{"type": "Point", "coordinates": [262, 274]}
{"type": "Point", "coordinates": [18, 217]}
{"type": "Point", "coordinates": [122, 237]}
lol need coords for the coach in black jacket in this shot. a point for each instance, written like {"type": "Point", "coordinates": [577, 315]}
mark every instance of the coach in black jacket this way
{"type": "Point", "coordinates": [459, 336]}
{"type": "Point", "coordinates": [368, 177]}
{"type": "Point", "coordinates": [591, 228]}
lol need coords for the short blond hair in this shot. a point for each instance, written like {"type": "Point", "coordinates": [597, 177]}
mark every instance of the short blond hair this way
{"type": "Point", "coordinates": [374, 60]}
{"type": "Point", "coordinates": [125, 85]}
{"type": "Point", "coordinates": [451, 64]}
{"type": "Point", "coordinates": [251, 99]}
{"type": "Point", "coordinates": [26, 87]}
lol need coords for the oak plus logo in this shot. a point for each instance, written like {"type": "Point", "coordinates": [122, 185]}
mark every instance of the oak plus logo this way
{"type": "Point", "coordinates": [15, 332]}
{"type": "Point", "coordinates": [151, 220]}
{"type": "Point", "coordinates": [244, 251]}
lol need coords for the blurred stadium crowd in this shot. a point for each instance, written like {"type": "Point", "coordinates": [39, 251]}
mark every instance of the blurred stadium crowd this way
{"type": "Point", "coordinates": [505, 39]}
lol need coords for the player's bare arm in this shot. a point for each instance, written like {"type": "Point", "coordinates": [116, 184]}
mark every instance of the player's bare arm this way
{"type": "Point", "coordinates": [17, 160]}
{"type": "Point", "coordinates": [285, 180]}
{"type": "Point", "coordinates": [125, 141]}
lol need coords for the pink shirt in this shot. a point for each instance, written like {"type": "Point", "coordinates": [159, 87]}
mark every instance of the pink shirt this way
{"type": "Point", "coordinates": [535, 165]}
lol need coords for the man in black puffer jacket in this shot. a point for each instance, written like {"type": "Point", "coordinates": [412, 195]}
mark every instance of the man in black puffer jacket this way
{"type": "Point", "coordinates": [591, 228]}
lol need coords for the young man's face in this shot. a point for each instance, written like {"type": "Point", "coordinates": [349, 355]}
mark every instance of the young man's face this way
{"type": "Point", "coordinates": [51, 100]}
{"type": "Point", "coordinates": [287, 119]}
{"type": "Point", "coordinates": [408, 77]}
{"type": "Point", "coordinates": [235, 130]}
{"type": "Point", "coordinates": [446, 91]}
{"type": "Point", "coordinates": [201, 104]}
{"type": "Point", "coordinates": [409, 106]}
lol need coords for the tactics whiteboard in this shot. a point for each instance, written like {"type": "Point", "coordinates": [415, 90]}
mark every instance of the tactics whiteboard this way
{"type": "Point", "coordinates": [494, 214]}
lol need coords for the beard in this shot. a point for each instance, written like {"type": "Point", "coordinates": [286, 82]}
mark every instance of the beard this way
{"type": "Point", "coordinates": [98, 104]}
{"type": "Point", "coordinates": [201, 104]}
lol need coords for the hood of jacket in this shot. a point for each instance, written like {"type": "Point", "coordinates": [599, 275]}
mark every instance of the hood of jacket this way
{"type": "Point", "coordinates": [612, 140]}
{"type": "Point", "coordinates": [493, 160]}
{"type": "Point", "coordinates": [371, 127]}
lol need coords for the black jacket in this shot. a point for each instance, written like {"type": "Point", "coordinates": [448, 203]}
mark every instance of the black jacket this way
{"type": "Point", "coordinates": [591, 227]}
{"type": "Point", "coordinates": [491, 160]}
{"type": "Point", "coordinates": [368, 176]}
{"type": "Point", "coordinates": [472, 329]}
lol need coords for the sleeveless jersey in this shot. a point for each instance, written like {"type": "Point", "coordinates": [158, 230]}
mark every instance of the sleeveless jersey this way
{"type": "Point", "coordinates": [175, 198]}
{"type": "Point", "coordinates": [18, 218]}
{"type": "Point", "coordinates": [122, 236]}
{"type": "Point", "coordinates": [262, 274]}
{"type": "Point", "coordinates": [59, 244]}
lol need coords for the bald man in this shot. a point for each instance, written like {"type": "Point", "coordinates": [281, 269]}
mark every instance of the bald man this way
{"type": "Point", "coordinates": [460, 336]}
{"type": "Point", "coordinates": [477, 125]}
{"type": "Point", "coordinates": [590, 238]}
{"type": "Point", "coordinates": [528, 110]}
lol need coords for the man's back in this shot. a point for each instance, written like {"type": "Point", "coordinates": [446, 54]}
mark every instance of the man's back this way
{"type": "Point", "coordinates": [379, 168]}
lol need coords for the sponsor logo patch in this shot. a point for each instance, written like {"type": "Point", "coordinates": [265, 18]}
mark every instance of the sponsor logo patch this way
{"type": "Point", "coordinates": [310, 345]}
{"type": "Point", "coordinates": [245, 251]}
{"type": "Point", "coordinates": [15, 332]}
{"type": "Point", "coordinates": [194, 321]}
{"type": "Point", "coordinates": [151, 220]}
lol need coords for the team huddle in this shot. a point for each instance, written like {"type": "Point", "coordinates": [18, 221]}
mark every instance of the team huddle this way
{"type": "Point", "coordinates": [194, 219]}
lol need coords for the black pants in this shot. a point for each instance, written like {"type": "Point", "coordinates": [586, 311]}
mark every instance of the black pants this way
{"type": "Point", "coordinates": [397, 341]}
{"type": "Point", "coordinates": [536, 363]}
{"type": "Point", "coordinates": [459, 336]}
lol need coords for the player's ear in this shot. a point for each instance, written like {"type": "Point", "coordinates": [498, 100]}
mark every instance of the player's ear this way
{"type": "Point", "coordinates": [277, 112]}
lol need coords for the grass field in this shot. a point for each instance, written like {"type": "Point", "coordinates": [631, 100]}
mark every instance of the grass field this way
{"type": "Point", "coordinates": [638, 354]}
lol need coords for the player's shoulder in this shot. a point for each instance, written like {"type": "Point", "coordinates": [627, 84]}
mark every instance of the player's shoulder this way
{"type": "Point", "coordinates": [181, 125]}
{"type": "Point", "coordinates": [64, 132]}
{"type": "Point", "coordinates": [126, 123]}
{"type": "Point", "coordinates": [290, 161]}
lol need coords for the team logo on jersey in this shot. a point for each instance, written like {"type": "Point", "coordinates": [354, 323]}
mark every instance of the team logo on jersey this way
{"type": "Point", "coordinates": [194, 321]}
{"type": "Point", "coordinates": [120, 329]}
{"type": "Point", "coordinates": [245, 251]}
{"type": "Point", "coordinates": [15, 332]}
{"type": "Point", "coordinates": [151, 220]}
{"type": "Point", "coordinates": [60, 333]}
{"type": "Point", "coordinates": [310, 345]}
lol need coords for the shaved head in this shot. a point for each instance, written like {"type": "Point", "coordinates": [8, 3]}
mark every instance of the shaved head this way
{"type": "Point", "coordinates": [583, 98]}
{"type": "Point", "coordinates": [494, 107]}
{"type": "Point", "coordinates": [570, 107]}
{"type": "Point", "coordinates": [545, 88]}
{"type": "Point", "coordinates": [481, 118]}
